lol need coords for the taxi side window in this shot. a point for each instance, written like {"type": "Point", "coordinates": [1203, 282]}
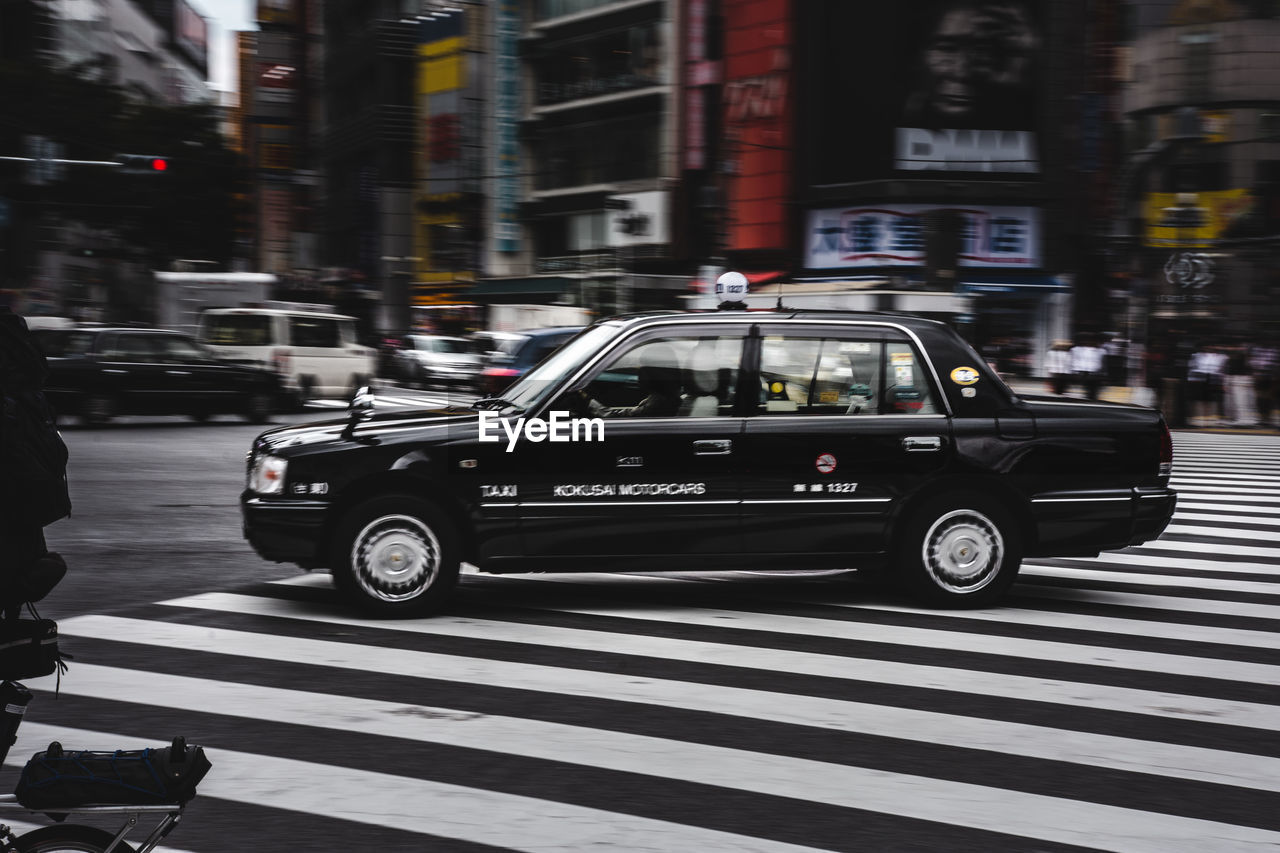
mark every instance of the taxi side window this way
{"type": "Point", "coordinates": [840, 376]}
{"type": "Point", "coordinates": [670, 377]}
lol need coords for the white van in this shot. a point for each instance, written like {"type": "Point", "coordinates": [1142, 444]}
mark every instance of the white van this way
{"type": "Point", "coordinates": [316, 354]}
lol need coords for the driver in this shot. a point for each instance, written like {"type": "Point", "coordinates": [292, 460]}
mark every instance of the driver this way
{"type": "Point", "coordinates": [659, 377]}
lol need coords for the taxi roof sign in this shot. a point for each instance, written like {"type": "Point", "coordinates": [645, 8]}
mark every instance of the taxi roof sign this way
{"type": "Point", "coordinates": [732, 284]}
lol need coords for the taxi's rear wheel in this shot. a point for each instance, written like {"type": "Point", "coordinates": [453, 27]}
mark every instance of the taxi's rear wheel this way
{"type": "Point", "coordinates": [959, 550]}
{"type": "Point", "coordinates": [397, 556]}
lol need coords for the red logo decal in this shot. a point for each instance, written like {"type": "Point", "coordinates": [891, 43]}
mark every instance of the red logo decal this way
{"type": "Point", "coordinates": [826, 463]}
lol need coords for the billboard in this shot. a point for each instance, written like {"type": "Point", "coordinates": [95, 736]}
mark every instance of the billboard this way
{"type": "Point", "coordinates": [899, 89]}
{"type": "Point", "coordinates": [893, 236]}
{"type": "Point", "coordinates": [506, 126]}
{"type": "Point", "coordinates": [1191, 220]}
{"type": "Point", "coordinates": [757, 120]}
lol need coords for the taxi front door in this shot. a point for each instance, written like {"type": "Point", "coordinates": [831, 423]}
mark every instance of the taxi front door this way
{"type": "Point", "coordinates": [662, 481]}
{"type": "Point", "coordinates": [848, 425]}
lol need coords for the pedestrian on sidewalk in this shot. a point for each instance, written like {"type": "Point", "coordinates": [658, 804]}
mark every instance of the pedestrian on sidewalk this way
{"type": "Point", "coordinates": [1264, 364]}
{"type": "Point", "coordinates": [1204, 381]}
{"type": "Point", "coordinates": [1057, 364]}
{"type": "Point", "coordinates": [1087, 365]}
{"type": "Point", "coordinates": [1237, 380]}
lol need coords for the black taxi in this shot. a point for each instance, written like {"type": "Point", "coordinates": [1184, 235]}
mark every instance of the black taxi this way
{"type": "Point", "coordinates": [719, 440]}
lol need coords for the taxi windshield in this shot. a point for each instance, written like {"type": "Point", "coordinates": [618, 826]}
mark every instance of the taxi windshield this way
{"type": "Point", "coordinates": [531, 388]}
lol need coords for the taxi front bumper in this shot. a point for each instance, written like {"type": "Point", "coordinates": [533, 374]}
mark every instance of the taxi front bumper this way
{"type": "Point", "coordinates": [285, 530]}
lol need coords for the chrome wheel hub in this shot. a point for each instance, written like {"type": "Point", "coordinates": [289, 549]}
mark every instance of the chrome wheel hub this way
{"type": "Point", "coordinates": [396, 558]}
{"type": "Point", "coordinates": [963, 551]}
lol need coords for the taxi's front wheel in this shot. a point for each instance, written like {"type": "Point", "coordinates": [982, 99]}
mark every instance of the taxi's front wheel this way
{"type": "Point", "coordinates": [959, 550]}
{"type": "Point", "coordinates": [396, 556]}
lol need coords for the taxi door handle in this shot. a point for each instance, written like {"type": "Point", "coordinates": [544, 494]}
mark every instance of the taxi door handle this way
{"type": "Point", "coordinates": [713, 447]}
{"type": "Point", "coordinates": [917, 443]}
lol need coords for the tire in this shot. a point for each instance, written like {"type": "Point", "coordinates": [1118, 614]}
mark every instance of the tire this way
{"type": "Point", "coordinates": [396, 556]}
{"type": "Point", "coordinates": [959, 550]}
{"type": "Point", "coordinates": [259, 407]}
{"type": "Point", "coordinates": [98, 408]}
{"type": "Point", "coordinates": [68, 838]}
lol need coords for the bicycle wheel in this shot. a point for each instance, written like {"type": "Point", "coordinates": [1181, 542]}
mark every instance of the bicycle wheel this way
{"type": "Point", "coordinates": [68, 838]}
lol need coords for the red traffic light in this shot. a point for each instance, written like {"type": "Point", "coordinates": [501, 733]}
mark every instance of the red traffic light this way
{"type": "Point", "coordinates": [159, 164]}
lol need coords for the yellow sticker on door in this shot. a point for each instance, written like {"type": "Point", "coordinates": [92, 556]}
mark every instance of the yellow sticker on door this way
{"type": "Point", "coordinates": [964, 375]}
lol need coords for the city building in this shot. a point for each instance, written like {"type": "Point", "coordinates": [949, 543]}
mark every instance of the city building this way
{"type": "Point", "coordinates": [1201, 213]}
{"type": "Point", "coordinates": [585, 164]}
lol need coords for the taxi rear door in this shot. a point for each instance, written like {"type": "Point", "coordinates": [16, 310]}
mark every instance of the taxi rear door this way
{"type": "Point", "coordinates": [848, 423]}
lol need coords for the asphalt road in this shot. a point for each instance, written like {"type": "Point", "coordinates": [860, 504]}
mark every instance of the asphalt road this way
{"type": "Point", "coordinates": [1124, 703]}
{"type": "Point", "coordinates": [155, 512]}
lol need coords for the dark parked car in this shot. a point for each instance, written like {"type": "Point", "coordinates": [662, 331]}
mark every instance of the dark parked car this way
{"type": "Point", "coordinates": [742, 440]}
{"type": "Point", "coordinates": [98, 373]}
{"type": "Point", "coordinates": [517, 356]}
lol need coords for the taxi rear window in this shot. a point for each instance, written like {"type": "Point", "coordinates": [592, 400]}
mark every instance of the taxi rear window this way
{"type": "Point", "coordinates": [822, 375]}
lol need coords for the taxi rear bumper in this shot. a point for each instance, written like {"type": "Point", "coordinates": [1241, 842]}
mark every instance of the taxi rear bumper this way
{"type": "Point", "coordinates": [285, 530]}
{"type": "Point", "coordinates": [1084, 523]}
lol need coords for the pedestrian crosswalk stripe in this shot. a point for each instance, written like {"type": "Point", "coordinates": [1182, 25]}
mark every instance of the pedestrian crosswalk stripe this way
{"type": "Point", "coordinates": [1169, 553]}
{"type": "Point", "coordinates": [1031, 741]}
{"type": "Point", "coordinates": [927, 637]}
{"type": "Point", "coordinates": [1181, 604]}
{"type": "Point", "coordinates": [1079, 570]}
{"type": "Point", "coordinates": [281, 782]}
{"type": "Point", "coordinates": [1040, 689]}
{"type": "Point", "coordinates": [437, 808]}
{"type": "Point", "coordinates": [1112, 625]}
{"type": "Point", "coordinates": [1236, 532]}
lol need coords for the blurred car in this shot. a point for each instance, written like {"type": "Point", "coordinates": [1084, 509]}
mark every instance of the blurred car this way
{"type": "Point", "coordinates": [530, 347]}
{"type": "Point", "coordinates": [490, 344]}
{"type": "Point", "coordinates": [316, 354]}
{"type": "Point", "coordinates": [427, 360]}
{"type": "Point", "coordinates": [98, 373]}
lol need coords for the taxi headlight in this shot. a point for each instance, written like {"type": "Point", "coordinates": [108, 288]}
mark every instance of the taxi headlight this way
{"type": "Point", "coordinates": [266, 477]}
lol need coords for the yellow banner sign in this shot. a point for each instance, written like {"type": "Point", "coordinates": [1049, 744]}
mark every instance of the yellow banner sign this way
{"type": "Point", "coordinates": [1191, 220]}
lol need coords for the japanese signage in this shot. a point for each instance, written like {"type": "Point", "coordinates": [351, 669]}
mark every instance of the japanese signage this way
{"type": "Point", "coordinates": [893, 236]}
{"type": "Point", "coordinates": [638, 218]}
{"type": "Point", "coordinates": [506, 118]}
{"type": "Point", "coordinates": [1191, 220]}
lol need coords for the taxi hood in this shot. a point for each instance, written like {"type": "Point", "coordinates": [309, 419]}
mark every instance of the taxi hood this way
{"type": "Point", "coordinates": [415, 424]}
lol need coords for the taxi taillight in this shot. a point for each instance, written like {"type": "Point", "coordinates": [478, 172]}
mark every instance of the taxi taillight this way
{"type": "Point", "coordinates": [1166, 450]}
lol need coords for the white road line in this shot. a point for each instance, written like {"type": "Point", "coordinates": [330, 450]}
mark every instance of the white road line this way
{"type": "Point", "coordinates": [1165, 554]}
{"type": "Point", "coordinates": [1239, 532]}
{"type": "Point", "coordinates": [1040, 742]}
{"type": "Point", "coordinates": [1074, 694]}
{"type": "Point", "coordinates": [1228, 497]}
{"type": "Point", "coordinates": [929, 638]}
{"type": "Point", "coordinates": [1190, 583]}
{"type": "Point", "coordinates": [1242, 522]}
{"type": "Point", "coordinates": [832, 784]}
{"type": "Point", "coordinates": [1158, 602]}
{"type": "Point", "coordinates": [1077, 622]}
{"type": "Point", "coordinates": [449, 811]}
